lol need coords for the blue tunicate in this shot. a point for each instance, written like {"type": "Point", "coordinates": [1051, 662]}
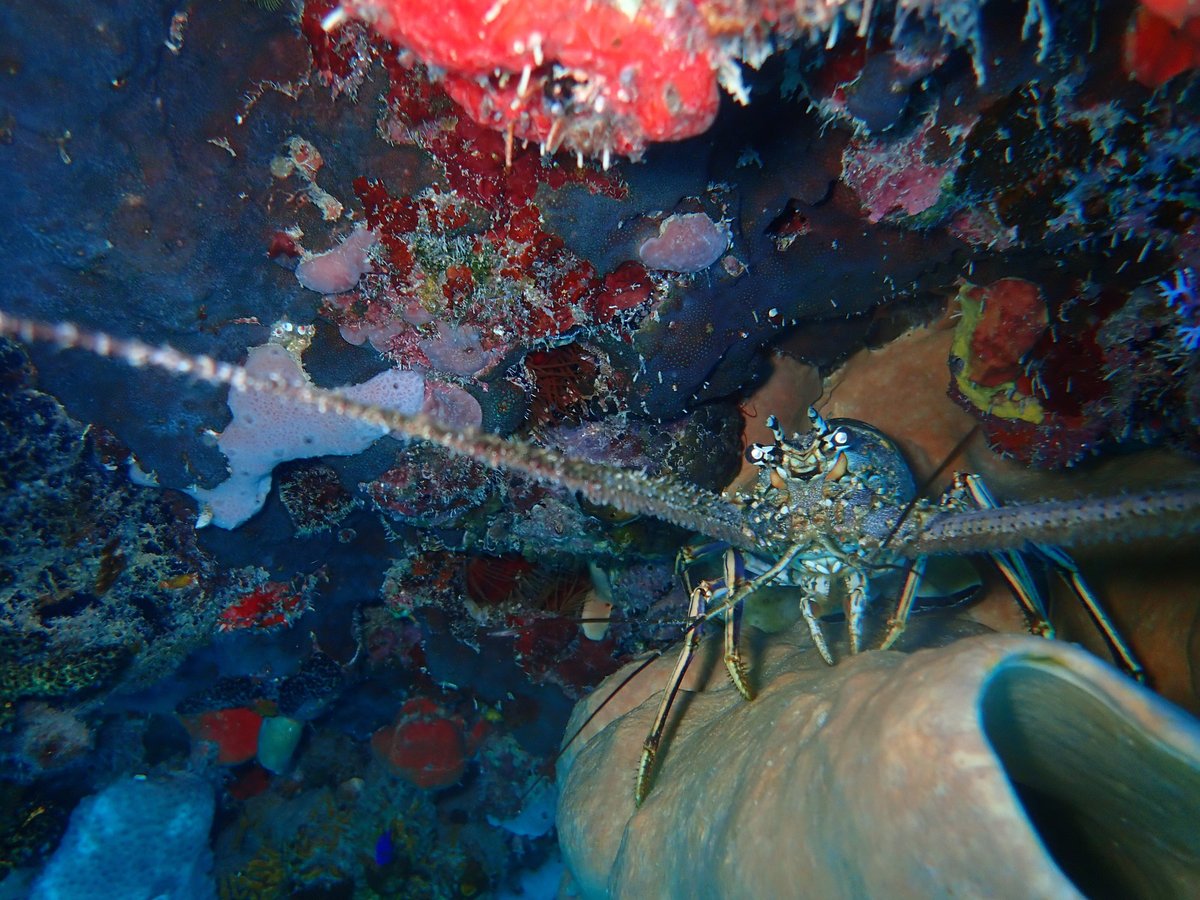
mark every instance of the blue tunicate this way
{"type": "Point", "coordinates": [385, 849]}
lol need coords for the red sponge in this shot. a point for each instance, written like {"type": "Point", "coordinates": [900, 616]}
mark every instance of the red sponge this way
{"type": "Point", "coordinates": [234, 731]}
{"type": "Point", "coordinates": [596, 77]}
{"type": "Point", "coordinates": [1159, 47]}
{"type": "Point", "coordinates": [424, 746]}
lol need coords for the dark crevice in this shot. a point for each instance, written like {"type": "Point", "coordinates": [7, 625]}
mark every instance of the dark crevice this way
{"type": "Point", "coordinates": [1111, 801]}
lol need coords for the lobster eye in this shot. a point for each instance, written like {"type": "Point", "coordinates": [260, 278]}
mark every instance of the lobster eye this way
{"type": "Point", "coordinates": [758, 454]}
{"type": "Point", "coordinates": [840, 438]}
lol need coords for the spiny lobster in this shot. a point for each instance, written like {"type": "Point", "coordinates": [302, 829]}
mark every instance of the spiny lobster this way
{"type": "Point", "coordinates": [836, 502]}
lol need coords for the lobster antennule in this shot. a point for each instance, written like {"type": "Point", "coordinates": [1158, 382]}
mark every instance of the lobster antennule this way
{"type": "Point", "coordinates": [1065, 523]}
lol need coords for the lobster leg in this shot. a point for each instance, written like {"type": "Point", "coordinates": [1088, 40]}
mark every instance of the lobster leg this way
{"type": "Point", "coordinates": [701, 608]}
{"type": "Point", "coordinates": [856, 605]}
{"type": "Point", "coordinates": [1013, 568]}
{"type": "Point", "coordinates": [1012, 565]}
{"type": "Point", "coordinates": [734, 578]}
{"type": "Point", "coordinates": [970, 489]}
{"type": "Point", "coordinates": [1068, 571]}
{"type": "Point", "coordinates": [689, 554]}
{"type": "Point", "coordinates": [815, 585]}
{"type": "Point", "coordinates": [735, 575]}
{"type": "Point", "coordinates": [697, 606]}
{"type": "Point", "coordinates": [908, 595]}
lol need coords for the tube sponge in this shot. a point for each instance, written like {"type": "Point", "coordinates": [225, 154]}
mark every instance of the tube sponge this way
{"type": "Point", "coordinates": [996, 766]}
{"type": "Point", "coordinates": [137, 839]}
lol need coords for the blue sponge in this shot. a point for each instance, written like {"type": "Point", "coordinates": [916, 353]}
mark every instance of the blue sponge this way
{"type": "Point", "coordinates": [138, 839]}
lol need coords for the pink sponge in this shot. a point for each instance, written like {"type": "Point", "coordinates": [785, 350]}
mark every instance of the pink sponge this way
{"type": "Point", "coordinates": [267, 430]}
{"type": "Point", "coordinates": [339, 269]}
{"type": "Point", "coordinates": [685, 243]}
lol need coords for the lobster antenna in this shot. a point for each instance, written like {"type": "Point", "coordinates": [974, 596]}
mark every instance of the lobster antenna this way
{"type": "Point", "coordinates": [1066, 523]}
{"type": "Point", "coordinates": [637, 670]}
{"type": "Point", "coordinates": [686, 505]}
{"type": "Point", "coordinates": [1063, 522]}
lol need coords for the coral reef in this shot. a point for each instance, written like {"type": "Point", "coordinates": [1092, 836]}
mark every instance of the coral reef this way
{"type": "Point", "coordinates": [1050, 391]}
{"type": "Point", "coordinates": [270, 605]}
{"type": "Point", "coordinates": [103, 584]}
{"type": "Point", "coordinates": [404, 491]}
{"type": "Point", "coordinates": [555, 77]}
{"type": "Point", "coordinates": [548, 74]}
{"type": "Point", "coordinates": [929, 215]}
{"type": "Point", "coordinates": [1163, 41]}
